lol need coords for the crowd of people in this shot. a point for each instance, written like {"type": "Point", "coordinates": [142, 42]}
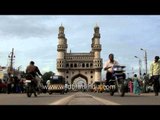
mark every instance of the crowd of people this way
{"type": "Point", "coordinates": [12, 85]}
{"type": "Point", "coordinates": [15, 84]}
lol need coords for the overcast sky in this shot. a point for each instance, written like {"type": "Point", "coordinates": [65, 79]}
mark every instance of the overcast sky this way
{"type": "Point", "coordinates": [35, 37]}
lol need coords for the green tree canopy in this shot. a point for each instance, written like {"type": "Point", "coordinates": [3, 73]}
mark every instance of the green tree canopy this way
{"type": "Point", "coordinates": [46, 76]}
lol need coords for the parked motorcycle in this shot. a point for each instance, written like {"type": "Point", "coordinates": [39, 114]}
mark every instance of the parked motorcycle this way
{"type": "Point", "coordinates": [118, 82]}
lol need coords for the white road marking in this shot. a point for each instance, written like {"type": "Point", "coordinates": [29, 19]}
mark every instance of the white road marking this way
{"type": "Point", "coordinates": [66, 100]}
{"type": "Point", "coordinates": [104, 101]}
{"type": "Point", "coordinates": [63, 101]}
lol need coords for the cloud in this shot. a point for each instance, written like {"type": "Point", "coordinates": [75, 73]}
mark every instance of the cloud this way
{"type": "Point", "coordinates": [36, 37]}
{"type": "Point", "coordinates": [24, 27]}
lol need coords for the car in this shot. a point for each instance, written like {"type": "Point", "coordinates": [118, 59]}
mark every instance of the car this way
{"type": "Point", "coordinates": [56, 84]}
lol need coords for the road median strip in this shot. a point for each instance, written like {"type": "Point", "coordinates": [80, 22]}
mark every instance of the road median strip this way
{"type": "Point", "coordinates": [63, 101]}
{"type": "Point", "coordinates": [104, 101]}
{"type": "Point", "coordinates": [66, 100]}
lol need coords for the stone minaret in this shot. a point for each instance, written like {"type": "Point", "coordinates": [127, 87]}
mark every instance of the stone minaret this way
{"type": "Point", "coordinates": [62, 49]}
{"type": "Point", "coordinates": [96, 49]}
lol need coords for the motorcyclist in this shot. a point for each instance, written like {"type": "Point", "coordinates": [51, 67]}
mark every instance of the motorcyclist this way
{"type": "Point", "coordinates": [108, 67]}
{"type": "Point", "coordinates": [34, 71]}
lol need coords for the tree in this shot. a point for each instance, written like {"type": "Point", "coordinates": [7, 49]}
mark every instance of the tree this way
{"type": "Point", "coordinates": [46, 76]}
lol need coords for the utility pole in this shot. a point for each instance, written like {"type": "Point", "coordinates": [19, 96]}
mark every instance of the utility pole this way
{"type": "Point", "coordinates": [146, 60]}
{"type": "Point", "coordinates": [128, 75]}
{"type": "Point", "coordinates": [132, 71]}
{"type": "Point", "coordinates": [11, 56]}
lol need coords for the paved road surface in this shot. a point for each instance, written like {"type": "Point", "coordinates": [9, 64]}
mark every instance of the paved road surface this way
{"type": "Point", "coordinates": [80, 98]}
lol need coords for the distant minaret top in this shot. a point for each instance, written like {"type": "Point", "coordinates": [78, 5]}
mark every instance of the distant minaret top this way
{"type": "Point", "coordinates": [96, 28]}
{"type": "Point", "coordinates": [61, 29]}
{"type": "Point", "coordinates": [96, 25]}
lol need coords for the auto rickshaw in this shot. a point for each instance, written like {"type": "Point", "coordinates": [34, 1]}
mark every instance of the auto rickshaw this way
{"type": "Point", "coordinates": [99, 86]}
{"type": "Point", "coordinates": [56, 84]}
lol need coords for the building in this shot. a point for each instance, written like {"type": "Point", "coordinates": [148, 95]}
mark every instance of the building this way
{"type": "Point", "coordinates": [79, 67]}
{"type": "Point", "coordinates": [3, 73]}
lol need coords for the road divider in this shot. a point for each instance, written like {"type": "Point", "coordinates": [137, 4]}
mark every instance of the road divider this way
{"type": "Point", "coordinates": [63, 101]}
{"type": "Point", "coordinates": [104, 101]}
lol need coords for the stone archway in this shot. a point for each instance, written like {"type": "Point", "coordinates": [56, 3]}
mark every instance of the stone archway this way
{"type": "Point", "coordinates": [79, 75]}
{"type": "Point", "coordinates": [79, 81]}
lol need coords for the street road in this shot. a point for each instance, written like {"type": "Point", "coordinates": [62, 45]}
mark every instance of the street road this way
{"type": "Point", "coordinates": [80, 98]}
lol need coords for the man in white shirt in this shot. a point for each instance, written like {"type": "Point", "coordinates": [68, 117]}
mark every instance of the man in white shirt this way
{"type": "Point", "coordinates": [108, 67]}
{"type": "Point", "coordinates": [48, 83]}
{"type": "Point", "coordinates": [66, 87]}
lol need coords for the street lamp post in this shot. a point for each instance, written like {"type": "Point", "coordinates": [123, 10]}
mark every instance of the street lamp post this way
{"type": "Point", "coordinates": [145, 58]}
{"type": "Point", "coordinates": [19, 68]}
{"type": "Point", "coordinates": [139, 65]}
{"type": "Point", "coordinates": [128, 75]}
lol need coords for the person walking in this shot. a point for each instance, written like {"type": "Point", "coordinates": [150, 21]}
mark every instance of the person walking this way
{"type": "Point", "coordinates": [136, 85]}
{"type": "Point", "coordinates": [130, 84]}
{"type": "Point", "coordinates": [155, 74]}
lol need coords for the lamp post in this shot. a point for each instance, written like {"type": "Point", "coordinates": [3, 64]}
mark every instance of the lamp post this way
{"type": "Point", "coordinates": [145, 58]}
{"type": "Point", "coordinates": [128, 75]}
{"type": "Point", "coordinates": [139, 65]}
{"type": "Point", "coordinates": [19, 67]}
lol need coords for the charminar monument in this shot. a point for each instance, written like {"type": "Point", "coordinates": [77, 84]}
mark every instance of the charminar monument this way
{"type": "Point", "coordinates": [79, 68]}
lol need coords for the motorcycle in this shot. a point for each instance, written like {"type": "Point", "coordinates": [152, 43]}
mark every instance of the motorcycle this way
{"type": "Point", "coordinates": [30, 85]}
{"type": "Point", "coordinates": [41, 87]}
{"type": "Point", "coordinates": [148, 85]}
{"type": "Point", "coordinates": [118, 82]}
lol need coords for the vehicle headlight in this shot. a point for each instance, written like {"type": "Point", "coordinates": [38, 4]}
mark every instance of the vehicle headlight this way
{"type": "Point", "coordinates": [115, 69]}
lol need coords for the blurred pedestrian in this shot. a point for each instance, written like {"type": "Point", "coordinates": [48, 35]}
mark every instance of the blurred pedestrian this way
{"type": "Point", "coordinates": [155, 74]}
{"type": "Point", "coordinates": [136, 85]}
{"type": "Point", "coordinates": [130, 84]}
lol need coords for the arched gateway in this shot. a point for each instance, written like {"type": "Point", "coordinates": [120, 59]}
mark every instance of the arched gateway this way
{"type": "Point", "coordinates": [79, 68]}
